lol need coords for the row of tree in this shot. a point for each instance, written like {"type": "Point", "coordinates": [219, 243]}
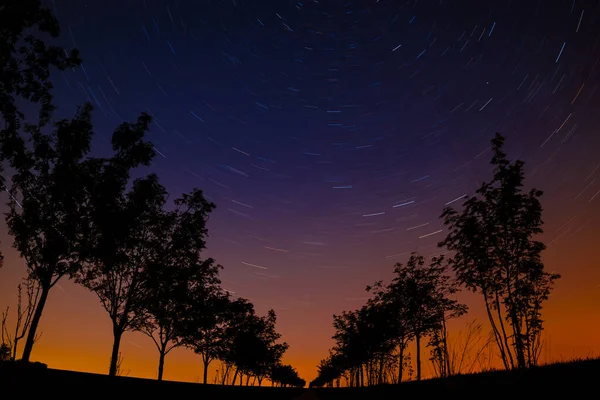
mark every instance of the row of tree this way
{"type": "Point", "coordinates": [494, 253]}
{"type": "Point", "coordinates": [84, 218]}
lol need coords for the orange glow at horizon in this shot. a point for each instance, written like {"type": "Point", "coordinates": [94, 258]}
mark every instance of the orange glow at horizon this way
{"type": "Point", "coordinates": [330, 136]}
{"type": "Point", "coordinates": [76, 330]}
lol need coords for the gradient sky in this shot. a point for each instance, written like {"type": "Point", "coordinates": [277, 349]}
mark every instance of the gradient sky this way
{"type": "Point", "coordinates": [330, 135]}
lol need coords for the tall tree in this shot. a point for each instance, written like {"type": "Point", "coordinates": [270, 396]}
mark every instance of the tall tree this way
{"type": "Point", "coordinates": [47, 194]}
{"type": "Point", "coordinates": [393, 303]}
{"type": "Point", "coordinates": [348, 344]}
{"type": "Point", "coordinates": [496, 255]}
{"type": "Point", "coordinates": [115, 221]}
{"type": "Point", "coordinates": [445, 307]}
{"type": "Point", "coordinates": [414, 283]}
{"type": "Point", "coordinates": [126, 245]}
{"type": "Point", "coordinates": [177, 280]}
{"type": "Point", "coordinates": [25, 65]}
{"type": "Point", "coordinates": [254, 346]}
{"type": "Point", "coordinates": [204, 326]}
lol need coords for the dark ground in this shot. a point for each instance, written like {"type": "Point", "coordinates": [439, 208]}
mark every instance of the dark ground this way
{"type": "Point", "coordinates": [573, 379]}
{"type": "Point", "coordinates": [577, 379]}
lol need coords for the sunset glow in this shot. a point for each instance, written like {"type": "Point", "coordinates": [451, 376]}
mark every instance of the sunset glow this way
{"type": "Point", "coordinates": [330, 136]}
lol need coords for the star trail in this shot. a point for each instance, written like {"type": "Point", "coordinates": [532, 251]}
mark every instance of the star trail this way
{"type": "Point", "coordinates": [330, 135]}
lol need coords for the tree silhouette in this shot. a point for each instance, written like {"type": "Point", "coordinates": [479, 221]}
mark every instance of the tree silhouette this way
{"type": "Point", "coordinates": [26, 62]}
{"type": "Point", "coordinates": [443, 308]}
{"type": "Point", "coordinates": [363, 343]}
{"type": "Point", "coordinates": [203, 326]}
{"type": "Point", "coordinates": [126, 245]}
{"type": "Point", "coordinates": [495, 254]}
{"type": "Point", "coordinates": [233, 317]}
{"type": "Point", "coordinates": [371, 342]}
{"type": "Point", "coordinates": [250, 343]}
{"type": "Point", "coordinates": [377, 340]}
{"type": "Point", "coordinates": [177, 279]}
{"type": "Point", "coordinates": [348, 344]}
{"type": "Point", "coordinates": [267, 353]}
{"type": "Point", "coordinates": [121, 229]}
{"type": "Point", "coordinates": [286, 375]}
{"type": "Point", "coordinates": [47, 197]}
{"type": "Point", "coordinates": [329, 369]}
{"type": "Point", "coordinates": [393, 303]}
{"type": "Point", "coordinates": [424, 290]}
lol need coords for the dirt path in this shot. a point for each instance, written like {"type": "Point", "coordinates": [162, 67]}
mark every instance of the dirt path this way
{"type": "Point", "coordinates": [308, 395]}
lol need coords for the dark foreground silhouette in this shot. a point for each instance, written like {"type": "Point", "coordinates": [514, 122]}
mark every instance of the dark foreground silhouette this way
{"type": "Point", "coordinates": [550, 381]}
{"type": "Point", "coordinates": [570, 378]}
{"type": "Point", "coordinates": [36, 380]}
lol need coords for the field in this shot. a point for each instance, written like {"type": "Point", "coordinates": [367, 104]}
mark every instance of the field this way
{"type": "Point", "coordinates": [572, 378]}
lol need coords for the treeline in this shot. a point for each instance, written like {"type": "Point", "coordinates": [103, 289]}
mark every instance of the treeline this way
{"type": "Point", "coordinates": [74, 216]}
{"type": "Point", "coordinates": [490, 249]}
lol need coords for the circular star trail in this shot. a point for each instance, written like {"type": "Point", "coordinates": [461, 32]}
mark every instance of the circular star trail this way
{"type": "Point", "coordinates": [331, 134]}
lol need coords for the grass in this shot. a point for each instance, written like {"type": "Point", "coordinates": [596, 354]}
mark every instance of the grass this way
{"type": "Point", "coordinates": [556, 380]}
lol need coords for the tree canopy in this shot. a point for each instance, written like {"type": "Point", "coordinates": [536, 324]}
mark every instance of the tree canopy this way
{"type": "Point", "coordinates": [47, 202]}
{"type": "Point", "coordinates": [178, 281]}
{"type": "Point", "coordinates": [27, 61]}
{"type": "Point", "coordinates": [496, 255]}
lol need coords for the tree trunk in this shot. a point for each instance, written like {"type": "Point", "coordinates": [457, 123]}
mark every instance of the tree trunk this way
{"type": "Point", "coordinates": [226, 374]}
{"type": "Point", "coordinates": [362, 375]}
{"type": "Point", "coordinates": [505, 336]}
{"type": "Point", "coordinates": [400, 363]}
{"type": "Point", "coordinates": [497, 335]}
{"type": "Point", "coordinates": [446, 352]}
{"type": "Point", "coordinates": [418, 343]}
{"type": "Point", "coordinates": [518, 337]}
{"type": "Point", "coordinates": [161, 361]}
{"type": "Point", "coordinates": [14, 355]}
{"type": "Point", "coordinates": [37, 315]}
{"type": "Point", "coordinates": [114, 358]}
{"type": "Point", "coordinates": [206, 363]}
{"type": "Point", "coordinates": [516, 322]}
{"type": "Point", "coordinates": [235, 377]}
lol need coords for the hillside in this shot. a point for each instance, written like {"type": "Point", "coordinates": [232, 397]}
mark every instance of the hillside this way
{"type": "Point", "coordinates": [70, 384]}
{"type": "Point", "coordinates": [568, 378]}
{"type": "Point", "coordinates": [572, 378]}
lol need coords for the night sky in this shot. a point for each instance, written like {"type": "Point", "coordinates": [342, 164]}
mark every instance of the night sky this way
{"type": "Point", "coordinates": [330, 135]}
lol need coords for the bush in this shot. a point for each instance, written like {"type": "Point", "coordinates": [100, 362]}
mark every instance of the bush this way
{"type": "Point", "coordinates": [5, 351]}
